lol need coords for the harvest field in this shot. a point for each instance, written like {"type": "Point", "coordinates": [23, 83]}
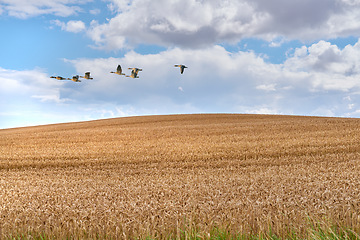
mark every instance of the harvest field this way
{"type": "Point", "coordinates": [173, 176]}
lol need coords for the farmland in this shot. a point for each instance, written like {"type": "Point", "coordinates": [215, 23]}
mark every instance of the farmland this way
{"type": "Point", "coordinates": [160, 176]}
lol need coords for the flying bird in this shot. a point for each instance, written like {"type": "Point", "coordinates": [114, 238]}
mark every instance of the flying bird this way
{"type": "Point", "coordinates": [182, 67]}
{"type": "Point", "coordinates": [74, 78]}
{"type": "Point", "coordinates": [58, 78]}
{"type": "Point", "coordinates": [118, 70]}
{"type": "Point", "coordinates": [87, 76]}
{"type": "Point", "coordinates": [134, 72]}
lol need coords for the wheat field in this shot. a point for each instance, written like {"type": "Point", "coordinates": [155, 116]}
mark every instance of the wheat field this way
{"type": "Point", "coordinates": [158, 176]}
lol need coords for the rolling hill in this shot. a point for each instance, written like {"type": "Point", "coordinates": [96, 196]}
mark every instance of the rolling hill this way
{"type": "Point", "coordinates": [163, 176]}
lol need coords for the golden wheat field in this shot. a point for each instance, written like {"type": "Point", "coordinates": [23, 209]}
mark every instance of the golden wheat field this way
{"type": "Point", "coordinates": [158, 175]}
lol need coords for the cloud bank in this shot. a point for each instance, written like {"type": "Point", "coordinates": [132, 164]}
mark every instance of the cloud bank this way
{"type": "Point", "coordinates": [317, 80]}
{"type": "Point", "coordinates": [194, 23]}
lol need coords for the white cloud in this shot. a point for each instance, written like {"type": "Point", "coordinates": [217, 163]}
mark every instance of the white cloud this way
{"type": "Point", "coordinates": [219, 81]}
{"type": "Point", "coordinates": [70, 26]}
{"type": "Point", "coordinates": [329, 67]}
{"type": "Point", "coordinates": [75, 26]}
{"type": "Point", "coordinates": [174, 23]}
{"type": "Point", "coordinates": [267, 87]}
{"type": "Point", "coordinates": [95, 11]}
{"type": "Point", "coordinates": [262, 110]}
{"type": "Point", "coordinates": [29, 98]}
{"type": "Point", "coordinates": [351, 106]}
{"type": "Point", "coordinates": [51, 98]}
{"type": "Point", "coordinates": [194, 23]}
{"type": "Point", "coordinates": [29, 8]}
{"type": "Point", "coordinates": [277, 42]}
{"type": "Point", "coordinates": [27, 82]}
{"type": "Point", "coordinates": [216, 80]}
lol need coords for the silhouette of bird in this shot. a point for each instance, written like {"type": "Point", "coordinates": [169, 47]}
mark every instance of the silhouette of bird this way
{"type": "Point", "coordinates": [134, 72]}
{"type": "Point", "coordinates": [118, 70]}
{"type": "Point", "coordinates": [182, 67]}
{"type": "Point", "coordinates": [74, 78]}
{"type": "Point", "coordinates": [58, 78]}
{"type": "Point", "coordinates": [87, 76]}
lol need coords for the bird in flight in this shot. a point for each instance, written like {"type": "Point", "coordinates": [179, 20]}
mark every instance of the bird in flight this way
{"type": "Point", "coordinates": [134, 72]}
{"type": "Point", "coordinates": [118, 70]}
{"type": "Point", "coordinates": [58, 78]}
{"type": "Point", "coordinates": [74, 78]}
{"type": "Point", "coordinates": [182, 67]}
{"type": "Point", "coordinates": [87, 76]}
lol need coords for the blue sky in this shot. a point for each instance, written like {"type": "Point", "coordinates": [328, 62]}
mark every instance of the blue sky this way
{"type": "Point", "coordinates": [299, 57]}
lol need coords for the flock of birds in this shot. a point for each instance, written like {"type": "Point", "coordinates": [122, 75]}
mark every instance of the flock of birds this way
{"type": "Point", "coordinates": [134, 73]}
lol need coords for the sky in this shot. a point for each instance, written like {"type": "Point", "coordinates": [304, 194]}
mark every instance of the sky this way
{"type": "Point", "coordinates": [298, 57]}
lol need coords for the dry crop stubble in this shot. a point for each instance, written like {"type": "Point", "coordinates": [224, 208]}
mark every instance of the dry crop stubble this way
{"type": "Point", "coordinates": [157, 175]}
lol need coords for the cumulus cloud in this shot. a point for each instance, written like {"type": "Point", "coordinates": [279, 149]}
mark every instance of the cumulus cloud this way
{"type": "Point", "coordinates": [314, 79]}
{"type": "Point", "coordinates": [29, 8]}
{"type": "Point", "coordinates": [193, 23]}
{"type": "Point", "coordinates": [187, 23]}
{"type": "Point", "coordinates": [330, 67]}
{"type": "Point", "coordinates": [70, 26]}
